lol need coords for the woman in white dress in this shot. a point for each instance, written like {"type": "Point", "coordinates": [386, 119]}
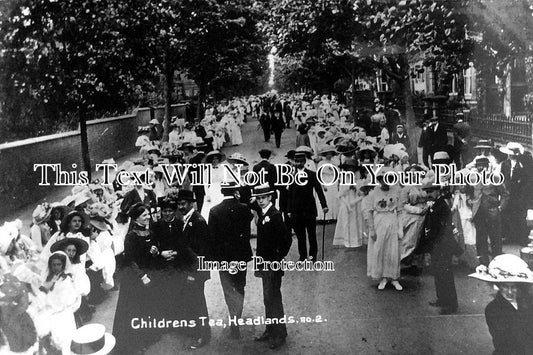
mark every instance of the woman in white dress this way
{"type": "Point", "coordinates": [213, 195]}
{"type": "Point", "coordinates": [235, 130]}
{"type": "Point", "coordinates": [328, 174]}
{"type": "Point", "coordinates": [349, 228]}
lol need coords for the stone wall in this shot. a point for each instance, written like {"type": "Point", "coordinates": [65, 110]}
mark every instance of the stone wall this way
{"type": "Point", "coordinates": [108, 138]}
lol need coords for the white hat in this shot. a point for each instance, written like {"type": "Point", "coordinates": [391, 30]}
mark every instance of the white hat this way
{"type": "Point", "coordinates": [505, 268]}
{"type": "Point", "coordinates": [92, 339]}
{"type": "Point", "coordinates": [154, 121]}
{"type": "Point", "coordinates": [512, 148]}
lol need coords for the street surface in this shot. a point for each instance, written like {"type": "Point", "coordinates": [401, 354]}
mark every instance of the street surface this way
{"type": "Point", "coordinates": [348, 314]}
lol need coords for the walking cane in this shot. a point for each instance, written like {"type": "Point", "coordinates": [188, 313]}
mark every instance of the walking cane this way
{"type": "Point", "coordinates": [323, 235]}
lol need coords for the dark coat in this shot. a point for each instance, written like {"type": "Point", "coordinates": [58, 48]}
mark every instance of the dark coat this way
{"type": "Point", "coordinates": [229, 231]}
{"type": "Point", "coordinates": [270, 169]}
{"type": "Point", "coordinates": [510, 328]}
{"type": "Point", "coordinates": [436, 141]}
{"type": "Point", "coordinates": [273, 238]}
{"type": "Point", "coordinates": [131, 198]}
{"type": "Point", "coordinates": [196, 237]}
{"type": "Point", "coordinates": [404, 139]}
{"type": "Point", "coordinates": [440, 237]}
{"type": "Point", "coordinates": [300, 199]}
{"type": "Point", "coordinates": [169, 236]}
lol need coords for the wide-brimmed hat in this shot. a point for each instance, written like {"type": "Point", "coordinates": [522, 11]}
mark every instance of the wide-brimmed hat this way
{"type": "Point", "coordinates": [346, 147]}
{"type": "Point", "coordinates": [300, 155]}
{"type": "Point", "coordinates": [483, 144]}
{"type": "Point", "coordinates": [367, 148]}
{"type": "Point", "coordinates": [212, 154]}
{"type": "Point", "coordinates": [186, 195]}
{"type": "Point", "coordinates": [41, 213]}
{"type": "Point", "coordinates": [504, 268]}
{"type": "Point", "coordinates": [92, 339]}
{"type": "Point", "coordinates": [238, 158]}
{"type": "Point", "coordinates": [81, 245]}
{"type": "Point", "coordinates": [154, 121]}
{"type": "Point", "coordinates": [327, 149]}
{"type": "Point", "coordinates": [512, 148]}
{"type": "Point", "coordinates": [262, 190]}
{"type": "Point", "coordinates": [99, 223]}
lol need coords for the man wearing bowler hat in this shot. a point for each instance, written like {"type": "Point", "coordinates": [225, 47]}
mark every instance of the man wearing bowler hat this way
{"type": "Point", "coordinates": [273, 244]}
{"type": "Point", "coordinates": [229, 240]}
{"type": "Point", "coordinates": [301, 207]}
{"type": "Point", "coordinates": [196, 237]}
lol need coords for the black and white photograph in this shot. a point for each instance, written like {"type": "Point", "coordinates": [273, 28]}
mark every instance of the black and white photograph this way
{"type": "Point", "coordinates": [266, 177]}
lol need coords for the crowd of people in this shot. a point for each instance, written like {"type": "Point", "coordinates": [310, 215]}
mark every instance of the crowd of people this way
{"type": "Point", "coordinates": [143, 239]}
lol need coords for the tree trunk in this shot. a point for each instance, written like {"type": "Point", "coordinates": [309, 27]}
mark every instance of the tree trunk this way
{"type": "Point", "coordinates": [412, 129]}
{"type": "Point", "coordinates": [169, 87]}
{"type": "Point", "coordinates": [354, 106]}
{"type": "Point", "coordinates": [202, 87]}
{"type": "Point", "coordinates": [84, 142]}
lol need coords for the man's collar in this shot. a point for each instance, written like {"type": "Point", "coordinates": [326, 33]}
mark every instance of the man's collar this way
{"type": "Point", "coordinates": [265, 210]}
{"type": "Point", "coordinates": [188, 214]}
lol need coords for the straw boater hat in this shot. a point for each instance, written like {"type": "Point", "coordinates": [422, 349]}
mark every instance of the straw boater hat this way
{"type": "Point", "coordinates": [262, 190]}
{"type": "Point", "coordinates": [305, 149]}
{"type": "Point", "coordinates": [92, 339]}
{"type": "Point", "coordinates": [512, 148]}
{"type": "Point", "coordinates": [238, 158]}
{"type": "Point", "coordinates": [81, 245]}
{"type": "Point", "coordinates": [212, 154]}
{"type": "Point", "coordinates": [483, 144]}
{"type": "Point", "coordinates": [504, 268]}
{"type": "Point", "coordinates": [441, 157]}
{"type": "Point", "coordinates": [41, 213]}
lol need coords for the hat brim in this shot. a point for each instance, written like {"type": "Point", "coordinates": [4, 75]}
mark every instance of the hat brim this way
{"type": "Point", "coordinates": [507, 151]}
{"type": "Point", "coordinates": [109, 345]}
{"type": "Point", "coordinates": [489, 278]}
{"type": "Point", "coordinates": [482, 147]}
{"type": "Point", "coordinates": [43, 218]}
{"type": "Point", "coordinates": [238, 161]}
{"type": "Point", "coordinates": [264, 194]}
{"type": "Point", "coordinates": [81, 245]}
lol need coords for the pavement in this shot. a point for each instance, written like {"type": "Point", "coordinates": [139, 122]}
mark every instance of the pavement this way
{"type": "Point", "coordinates": [337, 312]}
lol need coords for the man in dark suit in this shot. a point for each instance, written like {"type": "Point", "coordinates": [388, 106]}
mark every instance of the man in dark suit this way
{"type": "Point", "coordinates": [443, 246]}
{"type": "Point", "coordinates": [138, 195]}
{"type": "Point", "coordinates": [301, 207]}
{"type": "Point", "coordinates": [514, 216]}
{"type": "Point", "coordinates": [287, 112]}
{"type": "Point", "coordinates": [273, 244]}
{"type": "Point", "coordinates": [277, 123]}
{"type": "Point", "coordinates": [436, 138]}
{"type": "Point", "coordinates": [264, 121]}
{"type": "Point", "coordinates": [229, 235]}
{"type": "Point", "coordinates": [268, 167]}
{"type": "Point", "coordinates": [487, 202]}
{"type": "Point", "coordinates": [195, 238]}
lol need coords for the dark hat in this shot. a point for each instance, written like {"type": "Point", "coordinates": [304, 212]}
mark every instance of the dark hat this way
{"type": "Point", "coordinates": [290, 154]}
{"type": "Point", "coordinates": [263, 190]}
{"type": "Point", "coordinates": [186, 195]}
{"type": "Point", "coordinates": [186, 145]}
{"type": "Point", "coordinates": [136, 210]}
{"type": "Point", "coordinates": [167, 202]}
{"type": "Point", "coordinates": [66, 220]}
{"type": "Point", "coordinates": [349, 164]}
{"type": "Point", "coordinates": [265, 153]}
{"type": "Point", "coordinates": [154, 150]}
{"type": "Point", "coordinates": [81, 245]}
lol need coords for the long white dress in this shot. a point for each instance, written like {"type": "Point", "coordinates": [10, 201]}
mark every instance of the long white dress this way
{"type": "Point", "coordinates": [213, 195]}
{"type": "Point", "coordinates": [235, 131]}
{"type": "Point", "coordinates": [349, 228]}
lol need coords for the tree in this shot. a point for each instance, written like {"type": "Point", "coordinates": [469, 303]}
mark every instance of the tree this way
{"type": "Point", "coordinates": [67, 57]}
{"type": "Point", "coordinates": [365, 35]}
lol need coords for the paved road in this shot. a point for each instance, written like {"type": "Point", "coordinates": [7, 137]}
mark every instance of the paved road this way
{"type": "Point", "coordinates": [356, 317]}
